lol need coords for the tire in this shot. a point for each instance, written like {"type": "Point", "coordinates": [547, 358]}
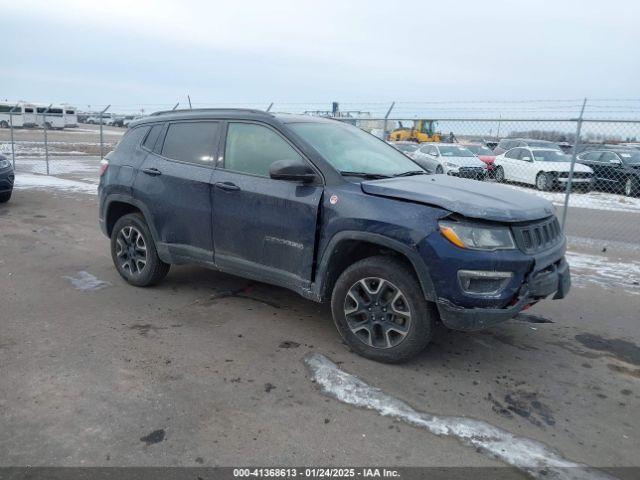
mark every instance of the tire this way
{"type": "Point", "coordinates": [439, 170]}
{"type": "Point", "coordinates": [631, 187]}
{"type": "Point", "coordinates": [4, 124]}
{"type": "Point", "coordinates": [47, 125]}
{"type": "Point", "coordinates": [5, 196]}
{"type": "Point", "coordinates": [543, 182]}
{"type": "Point", "coordinates": [498, 174]}
{"type": "Point", "coordinates": [127, 252]}
{"type": "Point", "coordinates": [394, 337]}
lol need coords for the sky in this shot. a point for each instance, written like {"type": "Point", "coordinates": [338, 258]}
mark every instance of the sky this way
{"type": "Point", "coordinates": [143, 54]}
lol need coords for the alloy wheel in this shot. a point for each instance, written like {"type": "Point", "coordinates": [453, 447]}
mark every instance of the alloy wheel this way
{"type": "Point", "coordinates": [131, 250]}
{"type": "Point", "coordinates": [377, 312]}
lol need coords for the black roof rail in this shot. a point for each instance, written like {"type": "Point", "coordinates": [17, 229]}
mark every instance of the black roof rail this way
{"type": "Point", "coordinates": [187, 110]}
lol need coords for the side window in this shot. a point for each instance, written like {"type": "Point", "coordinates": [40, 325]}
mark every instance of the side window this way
{"type": "Point", "coordinates": [152, 138]}
{"type": "Point", "coordinates": [132, 139]}
{"type": "Point", "coordinates": [525, 155]}
{"type": "Point", "coordinates": [513, 153]}
{"type": "Point", "coordinates": [253, 148]}
{"type": "Point", "coordinates": [193, 142]}
{"type": "Point", "coordinates": [591, 156]}
{"type": "Point", "coordinates": [608, 156]}
{"type": "Point", "coordinates": [426, 149]}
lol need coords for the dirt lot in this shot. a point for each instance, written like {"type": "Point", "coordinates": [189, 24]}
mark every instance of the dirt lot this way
{"type": "Point", "coordinates": [208, 369]}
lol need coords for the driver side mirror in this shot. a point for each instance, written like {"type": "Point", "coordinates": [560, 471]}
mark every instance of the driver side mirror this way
{"type": "Point", "coordinates": [292, 170]}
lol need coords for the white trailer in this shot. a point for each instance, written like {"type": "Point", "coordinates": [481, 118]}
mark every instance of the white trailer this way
{"type": "Point", "coordinates": [70, 115]}
{"type": "Point", "coordinates": [50, 117]}
{"type": "Point", "coordinates": [14, 113]}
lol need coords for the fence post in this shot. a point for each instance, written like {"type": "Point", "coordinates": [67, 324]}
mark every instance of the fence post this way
{"type": "Point", "coordinates": [101, 137]}
{"type": "Point", "coordinates": [384, 126]}
{"type": "Point", "coordinates": [13, 149]}
{"type": "Point", "coordinates": [573, 164]}
{"type": "Point", "coordinates": [46, 140]}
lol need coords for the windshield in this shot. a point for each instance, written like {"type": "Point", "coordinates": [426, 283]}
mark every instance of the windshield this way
{"type": "Point", "coordinates": [403, 147]}
{"type": "Point", "coordinates": [550, 156]}
{"type": "Point", "coordinates": [631, 158]}
{"type": "Point", "coordinates": [479, 149]}
{"type": "Point", "coordinates": [455, 151]}
{"type": "Point", "coordinates": [542, 143]}
{"type": "Point", "coordinates": [349, 149]}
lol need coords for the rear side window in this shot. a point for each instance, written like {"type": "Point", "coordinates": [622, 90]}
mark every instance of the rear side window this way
{"type": "Point", "coordinates": [132, 139]}
{"type": "Point", "coordinates": [513, 153]}
{"type": "Point", "coordinates": [193, 142]}
{"type": "Point", "coordinates": [152, 138]}
{"type": "Point", "coordinates": [253, 148]}
{"type": "Point", "coordinates": [591, 156]}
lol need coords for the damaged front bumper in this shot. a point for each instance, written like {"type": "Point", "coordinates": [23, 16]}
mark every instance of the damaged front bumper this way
{"type": "Point", "coordinates": [553, 279]}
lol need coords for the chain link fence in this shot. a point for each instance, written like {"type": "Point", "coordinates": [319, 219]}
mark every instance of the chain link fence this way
{"type": "Point", "coordinates": [586, 161]}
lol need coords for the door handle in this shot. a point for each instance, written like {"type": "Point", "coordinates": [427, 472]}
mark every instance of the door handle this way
{"type": "Point", "coordinates": [152, 171]}
{"type": "Point", "coordinates": [227, 186]}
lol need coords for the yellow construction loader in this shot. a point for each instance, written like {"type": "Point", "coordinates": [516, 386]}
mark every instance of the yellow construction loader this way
{"type": "Point", "coordinates": [421, 131]}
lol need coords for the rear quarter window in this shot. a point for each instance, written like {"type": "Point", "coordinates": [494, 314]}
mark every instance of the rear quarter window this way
{"type": "Point", "coordinates": [131, 140]}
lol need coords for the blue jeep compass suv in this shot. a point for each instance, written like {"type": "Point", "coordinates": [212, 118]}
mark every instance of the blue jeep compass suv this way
{"type": "Point", "coordinates": [333, 213]}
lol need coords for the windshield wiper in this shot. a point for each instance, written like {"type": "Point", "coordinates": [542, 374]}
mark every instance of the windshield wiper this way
{"type": "Point", "coordinates": [368, 176]}
{"type": "Point", "coordinates": [410, 173]}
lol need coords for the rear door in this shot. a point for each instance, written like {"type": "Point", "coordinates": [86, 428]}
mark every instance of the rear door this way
{"type": "Point", "coordinates": [610, 173]}
{"type": "Point", "coordinates": [509, 164]}
{"type": "Point", "coordinates": [174, 182]}
{"type": "Point", "coordinates": [263, 227]}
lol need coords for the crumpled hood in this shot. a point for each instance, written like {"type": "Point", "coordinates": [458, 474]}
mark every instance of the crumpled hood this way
{"type": "Point", "coordinates": [471, 198]}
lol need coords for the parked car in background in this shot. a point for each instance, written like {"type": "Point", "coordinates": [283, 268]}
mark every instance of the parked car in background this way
{"type": "Point", "coordinates": [614, 170]}
{"type": "Point", "coordinates": [408, 148]}
{"type": "Point", "coordinates": [483, 152]}
{"type": "Point", "coordinates": [6, 179]}
{"type": "Point", "coordinates": [543, 167]}
{"type": "Point", "coordinates": [509, 143]}
{"type": "Point", "coordinates": [329, 211]}
{"type": "Point", "coordinates": [451, 159]}
{"type": "Point", "coordinates": [107, 119]}
{"type": "Point", "coordinates": [566, 147]}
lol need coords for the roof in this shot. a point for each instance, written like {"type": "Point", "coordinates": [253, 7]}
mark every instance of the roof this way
{"type": "Point", "coordinates": [226, 113]}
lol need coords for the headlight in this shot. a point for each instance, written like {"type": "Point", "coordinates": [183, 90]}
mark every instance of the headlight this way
{"type": "Point", "coordinates": [451, 165]}
{"type": "Point", "coordinates": [477, 237]}
{"type": "Point", "coordinates": [4, 164]}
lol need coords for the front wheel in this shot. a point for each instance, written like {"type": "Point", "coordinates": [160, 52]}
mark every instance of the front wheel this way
{"type": "Point", "coordinates": [499, 175]}
{"type": "Point", "coordinates": [134, 252]}
{"type": "Point", "coordinates": [439, 170]}
{"type": "Point", "coordinates": [4, 124]}
{"type": "Point", "coordinates": [5, 197]}
{"type": "Point", "coordinates": [543, 182]}
{"type": "Point", "coordinates": [631, 187]}
{"type": "Point", "coordinates": [380, 311]}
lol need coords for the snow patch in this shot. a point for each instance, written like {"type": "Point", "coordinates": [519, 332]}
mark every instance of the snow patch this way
{"type": "Point", "coordinates": [531, 456]}
{"type": "Point", "coordinates": [44, 182]}
{"type": "Point", "coordinates": [599, 270]}
{"type": "Point", "coordinates": [87, 282]}
{"type": "Point", "coordinates": [591, 200]}
{"type": "Point", "coordinates": [57, 167]}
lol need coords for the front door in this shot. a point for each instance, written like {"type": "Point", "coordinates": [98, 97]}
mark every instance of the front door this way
{"type": "Point", "coordinates": [174, 182]}
{"type": "Point", "coordinates": [263, 226]}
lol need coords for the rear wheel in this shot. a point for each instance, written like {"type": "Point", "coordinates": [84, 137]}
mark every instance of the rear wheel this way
{"type": "Point", "coordinates": [4, 124]}
{"type": "Point", "coordinates": [631, 187]}
{"type": "Point", "coordinates": [543, 182]}
{"type": "Point", "coordinates": [499, 174]}
{"type": "Point", "coordinates": [134, 252]}
{"type": "Point", "coordinates": [380, 311]}
{"type": "Point", "coordinates": [5, 197]}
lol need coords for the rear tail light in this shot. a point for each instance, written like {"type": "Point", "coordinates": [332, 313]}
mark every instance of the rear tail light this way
{"type": "Point", "coordinates": [104, 164]}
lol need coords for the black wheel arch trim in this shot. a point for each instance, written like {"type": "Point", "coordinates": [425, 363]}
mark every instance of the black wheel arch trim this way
{"type": "Point", "coordinates": [163, 253]}
{"type": "Point", "coordinates": [319, 287]}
